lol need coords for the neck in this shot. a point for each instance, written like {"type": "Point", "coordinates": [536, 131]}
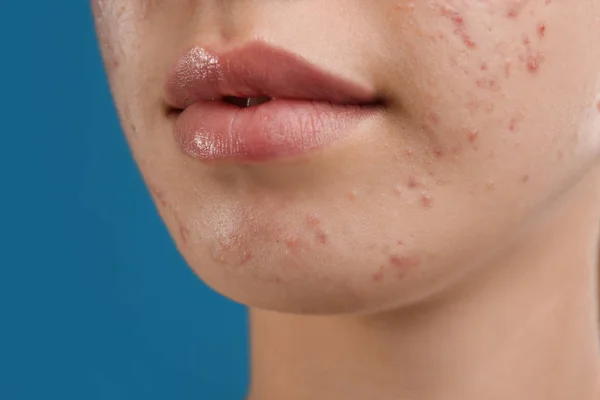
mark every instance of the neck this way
{"type": "Point", "coordinates": [523, 328]}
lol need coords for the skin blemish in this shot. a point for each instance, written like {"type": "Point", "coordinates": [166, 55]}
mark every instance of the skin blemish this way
{"type": "Point", "coordinates": [541, 30]}
{"type": "Point", "coordinates": [401, 264]}
{"type": "Point", "coordinates": [353, 195]}
{"type": "Point", "coordinates": [515, 8]}
{"type": "Point", "coordinates": [488, 84]}
{"type": "Point", "coordinates": [525, 179]}
{"type": "Point", "coordinates": [460, 28]}
{"type": "Point", "coordinates": [378, 276]}
{"type": "Point", "coordinates": [184, 232]}
{"type": "Point", "coordinates": [246, 258]}
{"type": "Point", "coordinates": [413, 183]}
{"type": "Point", "coordinates": [398, 191]}
{"type": "Point", "coordinates": [313, 220]}
{"type": "Point", "coordinates": [507, 67]}
{"type": "Point", "coordinates": [491, 185]}
{"type": "Point", "coordinates": [439, 153]}
{"type": "Point", "coordinates": [426, 200]}
{"type": "Point", "coordinates": [598, 106]}
{"type": "Point", "coordinates": [532, 59]}
{"type": "Point", "coordinates": [293, 244]}
{"type": "Point", "coordinates": [159, 195]}
{"type": "Point", "coordinates": [322, 237]}
{"type": "Point", "coordinates": [472, 136]}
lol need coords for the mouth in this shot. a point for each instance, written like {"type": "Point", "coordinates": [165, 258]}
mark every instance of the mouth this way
{"type": "Point", "coordinates": [258, 103]}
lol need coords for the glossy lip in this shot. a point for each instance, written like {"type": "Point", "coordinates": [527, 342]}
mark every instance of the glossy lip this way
{"type": "Point", "coordinates": [310, 107]}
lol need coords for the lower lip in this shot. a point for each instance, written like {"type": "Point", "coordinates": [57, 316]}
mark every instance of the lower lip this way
{"type": "Point", "coordinates": [216, 130]}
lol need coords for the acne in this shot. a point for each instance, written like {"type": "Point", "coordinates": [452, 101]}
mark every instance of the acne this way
{"type": "Point", "coordinates": [541, 30]}
{"type": "Point", "coordinates": [396, 265]}
{"type": "Point", "coordinates": [460, 27]}
{"type": "Point", "coordinates": [426, 200]}
{"type": "Point", "coordinates": [515, 8]}
{"type": "Point", "coordinates": [472, 136]}
{"type": "Point", "coordinates": [314, 222]}
{"type": "Point", "coordinates": [293, 244]}
{"type": "Point", "coordinates": [413, 183]}
{"type": "Point", "coordinates": [160, 197]}
{"type": "Point", "coordinates": [246, 258]}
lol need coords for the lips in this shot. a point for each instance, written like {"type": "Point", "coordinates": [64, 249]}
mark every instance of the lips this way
{"type": "Point", "coordinates": [258, 103]}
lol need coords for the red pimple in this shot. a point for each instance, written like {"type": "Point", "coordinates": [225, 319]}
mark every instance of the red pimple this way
{"type": "Point", "coordinates": [472, 136]}
{"type": "Point", "coordinates": [533, 61]}
{"type": "Point", "coordinates": [541, 29]}
{"type": "Point", "coordinates": [598, 106]}
{"type": "Point", "coordinates": [459, 26]}
{"type": "Point", "coordinates": [378, 276]}
{"type": "Point", "coordinates": [426, 200]}
{"type": "Point", "coordinates": [402, 262]}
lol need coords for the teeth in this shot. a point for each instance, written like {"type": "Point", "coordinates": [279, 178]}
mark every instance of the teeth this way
{"type": "Point", "coordinates": [246, 101]}
{"type": "Point", "coordinates": [255, 101]}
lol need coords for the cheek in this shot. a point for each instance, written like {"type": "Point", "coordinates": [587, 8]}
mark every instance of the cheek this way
{"type": "Point", "coordinates": [117, 23]}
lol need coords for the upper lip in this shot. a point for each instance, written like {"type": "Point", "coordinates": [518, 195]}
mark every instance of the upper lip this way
{"type": "Point", "coordinates": [257, 70]}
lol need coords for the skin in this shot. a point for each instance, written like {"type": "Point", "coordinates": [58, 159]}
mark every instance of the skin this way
{"type": "Point", "coordinates": [445, 252]}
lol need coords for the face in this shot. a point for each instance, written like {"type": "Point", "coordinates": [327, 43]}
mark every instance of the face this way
{"type": "Point", "coordinates": [474, 115]}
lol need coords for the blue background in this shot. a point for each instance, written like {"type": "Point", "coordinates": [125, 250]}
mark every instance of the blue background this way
{"type": "Point", "coordinates": [95, 302]}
